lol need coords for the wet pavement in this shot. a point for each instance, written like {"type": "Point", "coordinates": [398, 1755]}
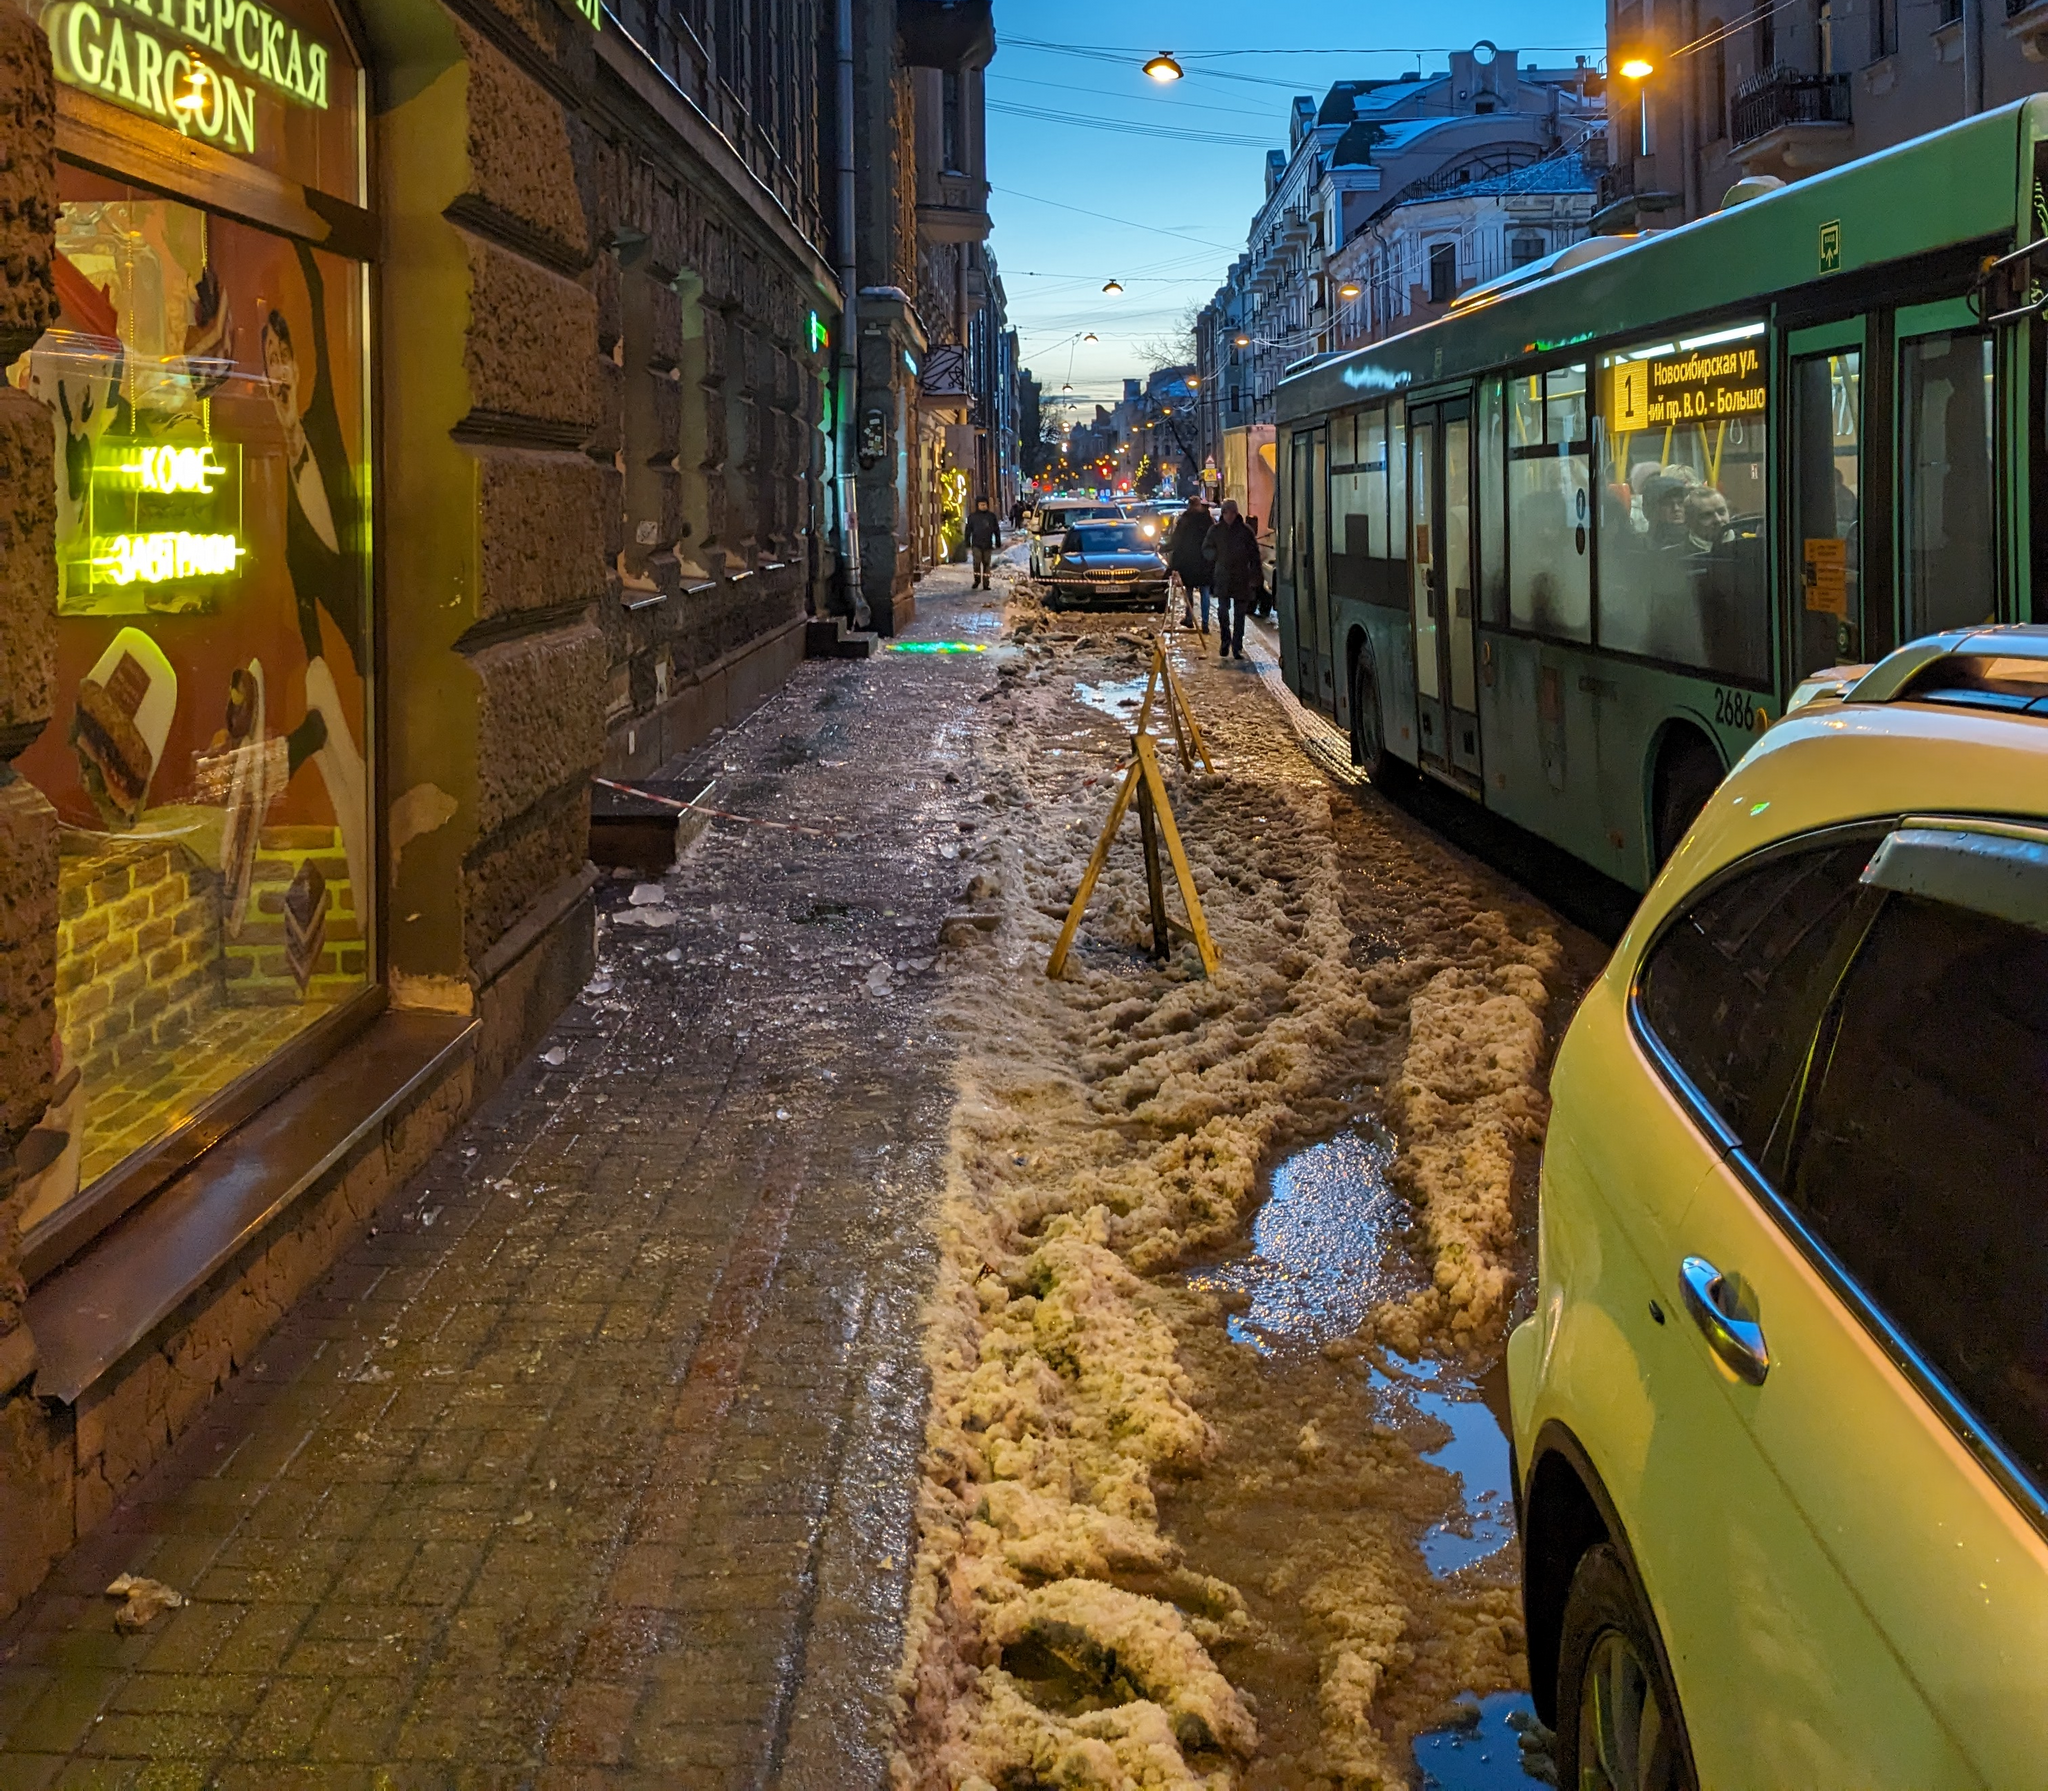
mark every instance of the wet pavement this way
{"type": "Point", "coordinates": [595, 1464]}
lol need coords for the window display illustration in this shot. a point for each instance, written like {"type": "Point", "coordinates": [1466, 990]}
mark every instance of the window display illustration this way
{"type": "Point", "coordinates": [205, 383]}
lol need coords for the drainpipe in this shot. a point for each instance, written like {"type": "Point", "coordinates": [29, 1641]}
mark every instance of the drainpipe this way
{"type": "Point", "coordinates": [1973, 57]}
{"type": "Point", "coordinates": [847, 362]}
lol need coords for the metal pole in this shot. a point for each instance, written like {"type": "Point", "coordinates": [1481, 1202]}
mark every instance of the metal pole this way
{"type": "Point", "coordinates": [1973, 57]}
{"type": "Point", "coordinates": [847, 361]}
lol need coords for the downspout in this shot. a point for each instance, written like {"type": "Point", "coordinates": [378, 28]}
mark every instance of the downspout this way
{"type": "Point", "coordinates": [1973, 57]}
{"type": "Point", "coordinates": [847, 367]}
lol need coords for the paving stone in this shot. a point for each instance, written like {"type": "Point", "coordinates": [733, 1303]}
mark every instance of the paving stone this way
{"type": "Point", "coordinates": [546, 1483]}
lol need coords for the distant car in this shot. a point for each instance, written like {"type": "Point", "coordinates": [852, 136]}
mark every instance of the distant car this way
{"type": "Point", "coordinates": [1055, 516]}
{"type": "Point", "coordinates": [1781, 1413]}
{"type": "Point", "coordinates": [1112, 562]}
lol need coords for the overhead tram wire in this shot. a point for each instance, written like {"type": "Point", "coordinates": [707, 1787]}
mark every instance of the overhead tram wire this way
{"type": "Point", "coordinates": [1127, 223]}
{"type": "Point", "coordinates": [1120, 127]}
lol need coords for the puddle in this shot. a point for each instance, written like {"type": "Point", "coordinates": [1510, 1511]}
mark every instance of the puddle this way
{"type": "Point", "coordinates": [1486, 1753]}
{"type": "Point", "coordinates": [1478, 1454]}
{"type": "Point", "coordinates": [1119, 701]}
{"type": "Point", "coordinates": [1320, 1259]}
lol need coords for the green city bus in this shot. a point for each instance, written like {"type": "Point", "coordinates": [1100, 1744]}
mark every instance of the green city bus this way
{"type": "Point", "coordinates": [1571, 547]}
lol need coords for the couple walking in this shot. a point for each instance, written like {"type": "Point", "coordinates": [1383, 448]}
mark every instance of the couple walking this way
{"type": "Point", "coordinates": [1219, 557]}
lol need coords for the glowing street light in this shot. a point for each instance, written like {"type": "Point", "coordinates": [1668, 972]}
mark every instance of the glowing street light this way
{"type": "Point", "coordinates": [1091, 337]}
{"type": "Point", "coordinates": [1638, 68]}
{"type": "Point", "coordinates": [1242, 341]}
{"type": "Point", "coordinates": [1349, 290]}
{"type": "Point", "coordinates": [1112, 286]}
{"type": "Point", "coordinates": [1163, 69]}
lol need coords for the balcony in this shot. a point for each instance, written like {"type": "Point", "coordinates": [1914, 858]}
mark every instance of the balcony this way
{"type": "Point", "coordinates": [1791, 124]}
{"type": "Point", "coordinates": [953, 208]}
{"type": "Point", "coordinates": [1622, 202]}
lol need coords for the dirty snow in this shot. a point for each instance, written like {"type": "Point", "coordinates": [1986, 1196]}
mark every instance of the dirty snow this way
{"type": "Point", "coordinates": [1148, 1553]}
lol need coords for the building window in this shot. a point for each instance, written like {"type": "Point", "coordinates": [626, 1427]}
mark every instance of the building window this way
{"type": "Point", "coordinates": [1443, 272]}
{"type": "Point", "coordinates": [1526, 247]}
{"type": "Point", "coordinates": [209, 753]}
{"type": "Point", "coordinates": [1765, 23]}
{"type": "Point", "coordinates": [1884, 29]}
{"type": "Point", "coordinates": [953, 150]}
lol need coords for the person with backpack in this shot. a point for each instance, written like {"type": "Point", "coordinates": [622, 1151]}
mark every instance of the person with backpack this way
{"type": "Point", "coordinates": [1184, 558]}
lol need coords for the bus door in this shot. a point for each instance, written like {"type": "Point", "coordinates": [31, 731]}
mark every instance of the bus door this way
{"type": "Point", "coordinates": [1307, 498]}
{"type": "Point", "coordinates": [1443, 588]}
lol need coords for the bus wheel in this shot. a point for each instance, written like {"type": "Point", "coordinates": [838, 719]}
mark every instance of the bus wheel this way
{"type": "Point", "coordinates": [1368, 727]}
{"type": "Point", "coordinates": [1688, 771]}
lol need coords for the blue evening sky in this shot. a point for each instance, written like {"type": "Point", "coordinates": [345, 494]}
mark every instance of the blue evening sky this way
{"type": "Point", "coordinates": [1173, 187]}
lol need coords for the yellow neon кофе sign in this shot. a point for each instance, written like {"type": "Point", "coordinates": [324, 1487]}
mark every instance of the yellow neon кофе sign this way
{"type": "Point", "coordinates": [115, 50]}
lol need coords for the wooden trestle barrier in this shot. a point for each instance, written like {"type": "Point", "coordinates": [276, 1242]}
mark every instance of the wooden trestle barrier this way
{"type": "Point", "coordinates": [1144, 785]}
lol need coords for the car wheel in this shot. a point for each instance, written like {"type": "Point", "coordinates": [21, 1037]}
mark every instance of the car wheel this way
{"type": "Point", "coordinates": [1618, 1723]}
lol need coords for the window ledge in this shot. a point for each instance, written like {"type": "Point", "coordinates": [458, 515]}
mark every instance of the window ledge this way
{"type": "Point", "coordinates": [91, 1313]}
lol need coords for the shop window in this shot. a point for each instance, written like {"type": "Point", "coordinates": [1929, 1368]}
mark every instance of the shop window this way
{"type": "Point", "coordinates": [1549, 586]}
{"type": "Point", "coordinates": [693, 449]}
{"type": "Point", "coordinates": [647, 458]}
{"type": "Point", "coordinates": [1684, 575]}
{"type": "Point", "coordinates": [1945, 420]}
{"type": "Point", "coordinates": [209, 752]}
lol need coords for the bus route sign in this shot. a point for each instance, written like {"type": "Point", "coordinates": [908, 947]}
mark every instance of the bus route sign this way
{"type": "Point", "coordinates": [1717, 384]}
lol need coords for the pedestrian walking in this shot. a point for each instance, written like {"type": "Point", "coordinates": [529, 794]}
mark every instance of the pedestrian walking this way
{"type": "Point", "coordinates": [1232, 551]}
{"type": "Point", "coordinates": [1184, 557]}
{"type": "Point", "coordinates": [984, 536]}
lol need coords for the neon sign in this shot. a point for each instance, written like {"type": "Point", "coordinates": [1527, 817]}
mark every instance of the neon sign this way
{"type": "Point", "coordinates": [165, 557]}
{"type": "Point", "coordinates": [169, 471]}
{"type": "Point", "coordinates": [123, 60]}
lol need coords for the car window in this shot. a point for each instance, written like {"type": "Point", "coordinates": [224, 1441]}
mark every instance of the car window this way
{"type": "Point", "coordinates": [1108, 537]}
{"type": "Point", "coordinates": [1734, 989]}
{"type": "Point", "coordinates": [1922, 1159]}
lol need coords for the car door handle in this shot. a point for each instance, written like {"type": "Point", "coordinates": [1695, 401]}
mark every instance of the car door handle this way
{"type": "Point", "coordinates": [1739, 1342]}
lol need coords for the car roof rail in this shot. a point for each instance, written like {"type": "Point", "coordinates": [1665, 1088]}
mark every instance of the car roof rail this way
{"type": "Point", "coordinates": [2003, 668]}
{"type": "Point", "coordinates": [1987, 867]}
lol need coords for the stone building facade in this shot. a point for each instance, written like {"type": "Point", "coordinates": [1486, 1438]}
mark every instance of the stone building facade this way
{"type": "Point", "coordinates": [927, 288]}
{"type": "Point", "coordinates": [402, 422]}
{"type": "Point", "coordinates": [1795, 89]}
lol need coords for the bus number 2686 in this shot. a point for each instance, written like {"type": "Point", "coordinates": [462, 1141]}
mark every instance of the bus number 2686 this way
{"type": "Point", "coordinates": [1735, 709]}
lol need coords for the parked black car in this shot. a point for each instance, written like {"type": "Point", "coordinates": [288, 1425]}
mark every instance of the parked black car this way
{"type": "Point", "coordinates": [1112, 563]}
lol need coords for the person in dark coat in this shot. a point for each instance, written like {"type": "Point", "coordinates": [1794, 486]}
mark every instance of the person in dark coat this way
{"type": "Point", "coordinates": [1184, 556]}
{"type": "Point", "coordinates": [1235, 574]}
{"type": "Point", "coordinates": [984, 536]}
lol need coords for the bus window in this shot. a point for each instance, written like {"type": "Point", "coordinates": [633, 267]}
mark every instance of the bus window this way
{"type": "Point", "coordinates": [1354, 525]}
{"type": "Point", "coordinates": [1372, 460]}
{"type": "Point", "coordinates": [1827, 395]}
{"type": "Point", "coordinates": [1945, 415]}
{"type": "Point", "coordinates": [1493, 544]}
{"type": "Point", "coordinates": [1683, 573]}
{"type": "Point", "coordinates": [1549, 591]}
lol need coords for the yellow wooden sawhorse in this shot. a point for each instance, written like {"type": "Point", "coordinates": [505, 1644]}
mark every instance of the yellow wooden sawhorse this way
{"type": "Point", "coordinates": [1144, 785]}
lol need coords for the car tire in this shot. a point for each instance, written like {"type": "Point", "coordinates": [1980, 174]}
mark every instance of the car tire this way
{"type": "Point", "coordinates": [1619, 1727]}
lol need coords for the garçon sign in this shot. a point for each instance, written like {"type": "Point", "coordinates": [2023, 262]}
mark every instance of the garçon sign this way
{"type": "Point", "coordinates": [120, 51]}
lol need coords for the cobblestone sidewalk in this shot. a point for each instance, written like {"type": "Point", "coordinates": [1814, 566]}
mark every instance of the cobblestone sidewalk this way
{"type": "Point", "coordinates": [593, 1466]}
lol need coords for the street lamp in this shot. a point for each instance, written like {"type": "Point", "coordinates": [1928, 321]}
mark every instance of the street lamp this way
{"type": "Point", "coordinates": [1242, 341]}
{"type": "Point", "coordinates": [1112, 286]}
{"type": "Point", "coordinates": [1349, 290]}
{"type": "Point", "coordinates": [1639, 68]}
{"type": "Point", "coordinates": [1162, 68]}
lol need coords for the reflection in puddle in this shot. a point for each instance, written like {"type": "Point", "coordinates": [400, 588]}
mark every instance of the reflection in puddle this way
{"type": "Point", "coordinates": [1478, 1454]}
{"type": "Point", "coordinates": [1486, 1752]}
{"type": "Point", "coordinates": [1320, 1246]}
{"type": "Point", "coordinates": [1119, 701]}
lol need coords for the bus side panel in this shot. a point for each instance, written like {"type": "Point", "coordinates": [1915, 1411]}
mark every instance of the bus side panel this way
{"type": "Point", "coordinates": [1539, 742]}
{"type": "Point", "coordinates": [1635, 726]}
{"type": "Point", "coordinates": [1393, 650]}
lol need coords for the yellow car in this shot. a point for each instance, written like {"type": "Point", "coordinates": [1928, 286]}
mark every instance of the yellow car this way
{"type": "Point", "coordinates": [1781, 1412]}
